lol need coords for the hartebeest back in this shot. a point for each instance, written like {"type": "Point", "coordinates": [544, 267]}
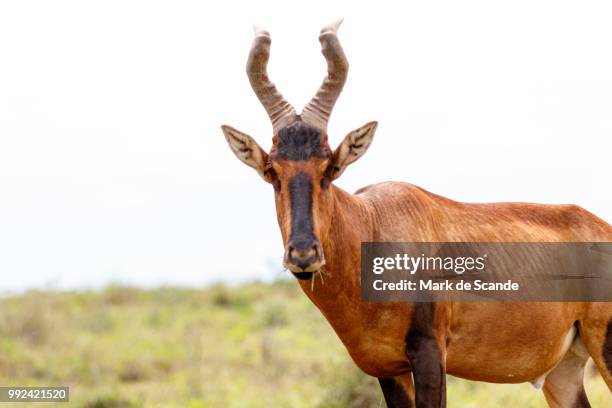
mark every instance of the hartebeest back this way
{"type": "Point", "coordinates": [411, 346]}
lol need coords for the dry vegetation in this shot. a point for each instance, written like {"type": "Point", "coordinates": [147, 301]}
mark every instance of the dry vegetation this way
{"type": "Point", "coordinates": [252, 346]}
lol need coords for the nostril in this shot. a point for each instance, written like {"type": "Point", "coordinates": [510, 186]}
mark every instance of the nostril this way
{"type": "Point", "coordinates": [303, 253]}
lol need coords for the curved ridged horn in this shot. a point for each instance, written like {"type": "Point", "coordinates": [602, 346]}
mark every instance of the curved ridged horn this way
{"type": "Point", "coordinates": [279, 110]}
{"type": "Point", "coordinates": [318, 110]}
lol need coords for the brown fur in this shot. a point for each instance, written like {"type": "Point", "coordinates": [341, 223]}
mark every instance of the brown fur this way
{"type": "Point", "coordinates": [495, 342]}
{"type": "Point", "coordinates": [411, 346]}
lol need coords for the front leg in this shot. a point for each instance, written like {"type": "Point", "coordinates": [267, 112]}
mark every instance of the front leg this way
{"type": "Point", "coordinates": [398, 391]}
{"type": "Point", "coordinates": [425, 351]}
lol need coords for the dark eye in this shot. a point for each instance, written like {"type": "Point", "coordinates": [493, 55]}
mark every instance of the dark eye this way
{"type": "Point", "coordinates": [327, 175]}
{"type": "Point", "coordinates": [272, 177]}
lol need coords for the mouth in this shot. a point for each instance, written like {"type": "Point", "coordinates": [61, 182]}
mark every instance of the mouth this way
{"type": "Point", "coordinates": [303, 275]}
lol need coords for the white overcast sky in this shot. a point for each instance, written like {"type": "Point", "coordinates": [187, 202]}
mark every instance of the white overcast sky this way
{"type": "Point", "coordinates": [113, 167]}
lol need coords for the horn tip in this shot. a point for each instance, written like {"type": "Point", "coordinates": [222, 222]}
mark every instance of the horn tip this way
{"type": "Point", "coordinates": [260, 31]}
{"type": "Point", "coordinates": [333, 27]}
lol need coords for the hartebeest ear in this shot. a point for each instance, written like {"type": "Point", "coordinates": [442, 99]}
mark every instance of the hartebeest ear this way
{"type": "Point", "coordinates": [353, 147]}
{"type": "Point", "coordinates": [246, 149]}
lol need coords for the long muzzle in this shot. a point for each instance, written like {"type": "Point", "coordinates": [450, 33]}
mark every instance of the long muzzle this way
{"type": "Point", "coordinates": [303, 257]}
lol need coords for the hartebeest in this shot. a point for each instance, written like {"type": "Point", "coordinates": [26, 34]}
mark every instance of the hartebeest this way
{"type": "Point", "coordinates": [411, 346]}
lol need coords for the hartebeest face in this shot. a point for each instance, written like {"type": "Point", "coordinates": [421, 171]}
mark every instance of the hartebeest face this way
{"type": "Point", "coordinates": [301, 166]}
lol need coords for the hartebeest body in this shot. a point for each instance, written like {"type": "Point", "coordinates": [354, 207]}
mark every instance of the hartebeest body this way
{"type": "Point", "coordinates": [411, 346]}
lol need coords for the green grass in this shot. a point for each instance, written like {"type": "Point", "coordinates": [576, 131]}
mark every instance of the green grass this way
{"type": "Point", "coordinates": [253, 346]}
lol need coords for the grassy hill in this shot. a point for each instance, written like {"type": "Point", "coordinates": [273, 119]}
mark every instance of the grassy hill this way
{"type": "Point", "coordinates": [257, 345]}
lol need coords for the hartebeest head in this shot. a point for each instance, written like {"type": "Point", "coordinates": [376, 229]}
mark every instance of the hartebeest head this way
{"type": "Point", "coordinates": [301, 165]}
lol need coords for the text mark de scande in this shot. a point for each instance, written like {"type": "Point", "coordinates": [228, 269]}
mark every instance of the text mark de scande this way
{"type": "Point", "coordinates": [431, 285]}
{"type": "Point", "coordinates": [422, 263]}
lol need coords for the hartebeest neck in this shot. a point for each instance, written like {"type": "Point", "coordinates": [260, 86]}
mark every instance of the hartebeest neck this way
{"type": "Point", "coordinates": [339, 287]}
